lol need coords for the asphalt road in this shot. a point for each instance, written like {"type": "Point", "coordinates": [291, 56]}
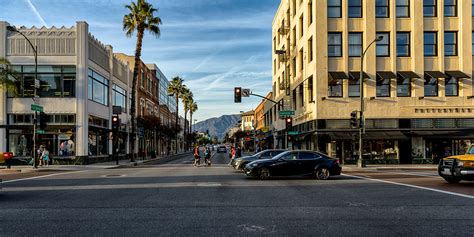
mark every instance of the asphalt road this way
{"type": "Point", "coordinates": [176, 199]}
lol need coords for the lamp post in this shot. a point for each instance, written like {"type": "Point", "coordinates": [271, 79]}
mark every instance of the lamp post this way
{"type": "Point", "coordinates": [360, 162]}
{"type": "Point", "coordinates": [13, 29]}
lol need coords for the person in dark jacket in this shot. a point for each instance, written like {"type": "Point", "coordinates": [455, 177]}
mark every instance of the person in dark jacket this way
{"type": "Point", "coordinates": [239, 152]}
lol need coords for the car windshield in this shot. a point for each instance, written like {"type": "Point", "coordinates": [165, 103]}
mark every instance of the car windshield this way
{"type": "Point", "coordinates": [470, 151]}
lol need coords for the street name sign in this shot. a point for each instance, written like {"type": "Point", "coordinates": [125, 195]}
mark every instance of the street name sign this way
{"type": "Point", "coordinates": [37, 108]}
{"type": "Point", "coordinates": [293, 133]}
{"type": "Point", "coordinates": [40, 131]}
{"type": "Point", "coordinates": [286, 113]}
{"type": "Point", "coordinates": [245, 92]}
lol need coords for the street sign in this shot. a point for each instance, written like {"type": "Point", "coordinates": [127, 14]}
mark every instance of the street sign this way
{"type": "Point", "coordinates": [39, 131]}
{"type": "Point", "coordinates": [286, 113]}
{"type": "Point", "coordinates": [245, 92]}
{"type": "Point", "coordinates": [37, 108]}
{"type": "Point", "coordinates": [293, 133]}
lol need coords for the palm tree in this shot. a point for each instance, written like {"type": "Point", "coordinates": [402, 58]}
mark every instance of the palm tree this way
{"type": "Point", "coordinates": [8, 77]}
{"type": "Point", "coordinates": [175, 88]}
{"type": "Point", "coordinates": [187, 98]}
{"type": "Point", "coordinates": [193, 107]}
{"type": "Point", "coordinates": [140, 18]}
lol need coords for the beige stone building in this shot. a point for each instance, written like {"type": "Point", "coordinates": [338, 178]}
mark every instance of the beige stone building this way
{"type": "Point", "coordinates": [418, 89]}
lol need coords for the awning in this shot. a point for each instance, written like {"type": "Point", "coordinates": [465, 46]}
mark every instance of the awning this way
{"type": "Point", "coordinates": [338, 75]}
{"type": "Point", "coordinates": [356, 75]}
{"type": "Point", "coordinates": [407, 75]}
{"type": "Point", "coordinates": [435, 74]}
{"type": "Point", "coordinates": [456, 74]}
{"type": "Point", "coordinates": [386, 75]}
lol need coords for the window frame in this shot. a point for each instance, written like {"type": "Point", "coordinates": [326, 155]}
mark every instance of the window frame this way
{"type": "Point", "coordinates": [386, 35]}
{"type": "Point", "coordinates": [434, 7]}
{"type": "Point", "coordinates": [335, 45]}
{"type": "Point", "coordinates": [353, 84]}
{"type": "Point", "coordinates": [116, 89]}
{"type": "Point", "coordinates": [310, 49]}
{"type": "Point", "coordinates": [455, 6]}
{"type": "Point", "coordinates": [397, 6]}
{"type": "Point", "coordinates": [446, 80]}
{"type": "Point", "coordinates": [354, 45]}
{"type": "Point", "coordinates": [427, 81]}
{"type": "Point", "coordinates": [336, 85]}
{"type": "Point", "coordinates": [408, 44]}
{"type": "Point", "coordinates": [387, 8]}
{"type": "Point", "coordinates": [335, 7]}
{"type": "Point", "coordinates": [409, 84]}
{"type": "Point", "coordinates": [381, 82]}
{"type": "Point", "coordinates": [349, 6]}
{"type": "Point", "coordinates": [435, 43]}
{"type": "Point", "coordinates": [105, 83]}
{"type": "Point", "coordinates": [455, 43]}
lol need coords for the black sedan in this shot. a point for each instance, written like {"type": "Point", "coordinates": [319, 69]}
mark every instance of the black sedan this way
{"type": "Point", "coordinates": [239, 163]}
{"type": "Point", "coordinates": [295, 163]}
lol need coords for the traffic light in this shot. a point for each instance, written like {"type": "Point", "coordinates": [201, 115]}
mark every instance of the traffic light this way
{"type": "Point", "coordinates": [43, 118]}
{"type": "Point", "coordinates": [354, 119]}
{"type": "Point", "coordinates": [237, 94]}
{"type": "Point", "coordinates": [289, 123]}
{"type": "Point", "coordinates": [115, 123]}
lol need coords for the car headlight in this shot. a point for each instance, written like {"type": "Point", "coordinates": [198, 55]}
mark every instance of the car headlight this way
{"type": "Point", "coordinates": [460, 163]}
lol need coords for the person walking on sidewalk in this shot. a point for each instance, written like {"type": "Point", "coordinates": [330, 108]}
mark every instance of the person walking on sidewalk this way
{"type": "Point", "coordinates": [197, 157]}
{"type": "Point", "coordinates": [207, 156]}
{"type": "Point", "coordinates": [45, 157]}
{"type": "Point", "coordinates": [238, 153]}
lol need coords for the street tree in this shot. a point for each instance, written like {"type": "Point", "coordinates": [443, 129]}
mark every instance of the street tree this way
{"type": "Point", "coordinates": [193, 107]}
{"type": "Point", "coordinates": [141, 18]}
{"type": "Point", "coordinates": [8, 77]}
{"type": "Point", "coordinates": [175, 88]}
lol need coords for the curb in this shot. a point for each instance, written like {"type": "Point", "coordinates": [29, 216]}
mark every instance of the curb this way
{"type": "Point", "coordinates": [136, 163]}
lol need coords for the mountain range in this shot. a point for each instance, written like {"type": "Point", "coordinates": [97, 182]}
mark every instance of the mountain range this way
{"type": "Point", "coordinates": [217, 126]}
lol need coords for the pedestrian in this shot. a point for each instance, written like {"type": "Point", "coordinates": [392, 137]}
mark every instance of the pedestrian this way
{"type": "Point", "coordinates": [207, 156]}
{"type": "Point", "coordinates": [238, 152]}
{"type": "Point", "coordinates": [45, 157]}
{"type": "Point", "coordinates": [197, 157]}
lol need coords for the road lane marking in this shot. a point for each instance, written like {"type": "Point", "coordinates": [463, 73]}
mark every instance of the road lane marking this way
{"type": "Point", "coordinates": [42, 176]}
{"type": "Point", "coordinates": [411, 186]}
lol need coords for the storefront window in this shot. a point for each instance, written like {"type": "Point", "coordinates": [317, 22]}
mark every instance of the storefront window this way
{"type": "Point", "coordinates": [98, 142]}
{"type": "Point", "coordinates": [58, 142]}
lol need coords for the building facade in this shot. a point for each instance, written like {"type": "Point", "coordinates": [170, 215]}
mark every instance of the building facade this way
{"type": "Point", "coordinates": [80, 81]}
{"type": "Point", "coordinates": [418, 92]}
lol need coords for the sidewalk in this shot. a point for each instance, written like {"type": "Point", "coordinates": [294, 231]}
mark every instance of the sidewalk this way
{"type": "Point", "coordinates": [354, 168]}
{"type": "Point", "coordinates": [95, 166]}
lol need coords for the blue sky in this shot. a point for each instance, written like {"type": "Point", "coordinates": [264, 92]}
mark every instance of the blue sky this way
{"type": "Point", "coordinates": [213, 44]}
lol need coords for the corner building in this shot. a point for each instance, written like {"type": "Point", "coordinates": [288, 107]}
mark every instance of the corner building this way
{"type": "Point", "coordinates": [418, 90]}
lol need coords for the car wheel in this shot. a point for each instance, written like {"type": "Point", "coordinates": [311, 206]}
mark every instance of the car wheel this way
{"type": "Point", "coordinates": [452, 180]}
{"type": "Point", "coordinates": [264, 173]}
{"type": "Point", "coordinates": [322, 173]}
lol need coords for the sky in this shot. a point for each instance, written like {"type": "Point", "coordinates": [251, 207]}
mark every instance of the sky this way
{"type": "Point", "coordinates": [214, 45]}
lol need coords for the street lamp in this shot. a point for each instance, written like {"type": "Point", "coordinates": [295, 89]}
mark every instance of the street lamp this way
{"type": "Point", "coordinates": [35, 48]}
{"type": "Point", "coordinates": [360, 162]}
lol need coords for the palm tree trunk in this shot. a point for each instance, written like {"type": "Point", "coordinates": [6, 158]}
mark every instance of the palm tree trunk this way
{"type": "Point", "coordinates": [138, 52]}
{"type": "Point", "coordinates": [185, 141]}
{"type": "Point", "coordinates": [176, 131]}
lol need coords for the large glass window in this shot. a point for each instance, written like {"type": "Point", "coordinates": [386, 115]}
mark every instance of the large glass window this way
{"type": "Point", "coordinates": [403, 44]}
{"type": "Point", "coordinates": [430, 43]}
{"type": "Point", "coordinates": [335, 87]}
{"type": "Point", "coordinates": [383, 87]}
{"type": "Point", "coordinates": [403, 87]}
{"type": "Point", "coordinates": [452, 86]}
{"type": "Point", "coordinates": [334, 8]}
{"type": "Point", "coordinates": [383, 46]}
{"type": "Point", "coordinates": [54, 81]}
{"type": "Point", "coordinates": [119, 97]}
{"type": "Point", "coordinates": [354, 88]}
{"type": "Point", "coordinates": [450, 8]}
{"type": "Point", "coordinates": [403, 8]}
{"type": "Point", "coordinates": [450, 43]}
{"type": "Point", "coordinates": [335, 44]}
{"type": "Point", "coordinates": [431, 86]}
{"type": "Point", "coordinates": [382, 8]}
{"type": "Point", "coordinates": [355, 44]}
{"type": "Point", "coordinates": [429, 8]}
{"type": "Point", "coordinates": [355, 8]}
{"type": "Point", "coordinates": [98, 88]}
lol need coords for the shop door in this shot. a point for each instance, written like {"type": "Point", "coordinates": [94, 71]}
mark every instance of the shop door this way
{"type": "Point", "coordinates": [404, 147]}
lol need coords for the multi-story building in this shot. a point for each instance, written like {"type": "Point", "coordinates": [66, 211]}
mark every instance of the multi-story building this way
{"type": "Point", "coordinates": [418, 90]}
{"type": "Point", "coordinates": [247, 121]}
{"type": "Point", "coordinates": [80, 80]}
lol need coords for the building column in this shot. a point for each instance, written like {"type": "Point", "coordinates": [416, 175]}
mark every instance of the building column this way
{"type": "Point", "coordinates": [3, 94]}
{"type": "Point", "coordinates": [82, 119]}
